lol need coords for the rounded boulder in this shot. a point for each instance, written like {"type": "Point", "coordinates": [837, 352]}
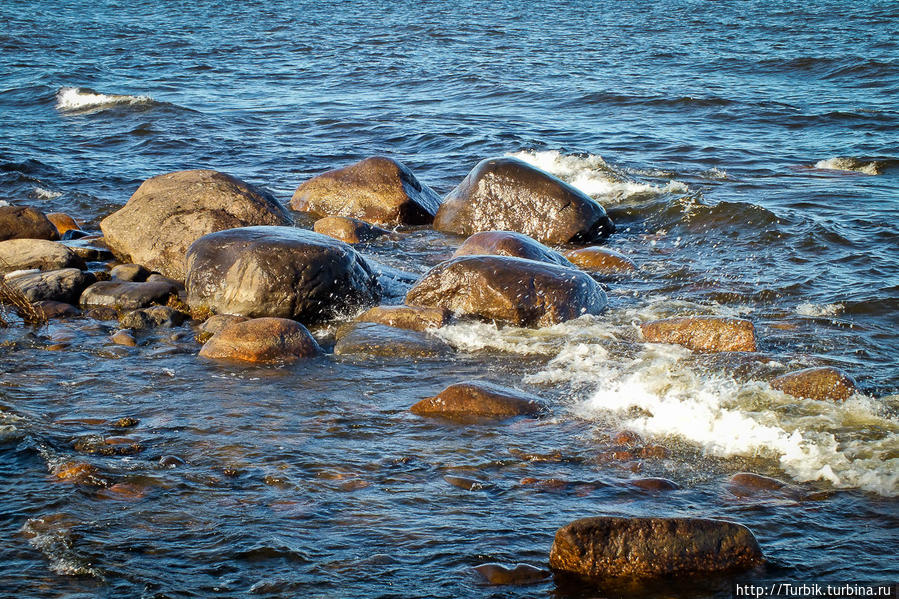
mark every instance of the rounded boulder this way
{"type": "Point", "coordinates": [262, 341]}
{"type": "Point", "coordinates": [509, 243]}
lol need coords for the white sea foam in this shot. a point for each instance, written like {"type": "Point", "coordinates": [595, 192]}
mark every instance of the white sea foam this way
{"type": "Point", "coordinates": [838, 163]}
{"type": "Point", "coordinates": [52, 536]}
{"type": "Point", "coordinates": [593, 175]}
{"type": "Point", "coordinates": [818, 310]}
{"type": "Point", "coordinates": [79, 99]}
{"type": "Point", "coordinates": [4, 203]}
{"type": "Point", "coordinates": [46, 194]}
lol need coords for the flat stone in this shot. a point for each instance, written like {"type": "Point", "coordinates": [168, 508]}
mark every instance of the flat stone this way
{"type": "Point", "coordinates": [24, 254]}
{"type": "Point", "coordinates": [601, 260]}
{"type": "Point", "coordinates": [702, 333]}
{"type": "Point", "coordinates": [414, 318]}
{"type": "Point", "coordinates": [379, 340]}
{"type": "Point", "coordinates": [127, 296]}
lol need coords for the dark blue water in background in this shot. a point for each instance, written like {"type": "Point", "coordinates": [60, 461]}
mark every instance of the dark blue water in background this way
{"type": "Point", "coordinates": [748, 154]}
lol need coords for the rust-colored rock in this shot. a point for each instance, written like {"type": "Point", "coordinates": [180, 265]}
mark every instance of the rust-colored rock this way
{"type": "Point", "coordinates": [479, 400]}
{"type": "Point", "coordinates": [263, 341]}
{"type": "Point", "coordinates": [824, 383]}
{"type": "Point", "coordinates": [63, 222]}
{"type": "Point", "coordinates": [519, 574]}
{"type": "Point", "coordinates": [509, 243]}
{"type": "Point", "coordinates": [415, 318]}
{"type": "Point", "coordinates": [601, 260]}
{"type": "Point", "coordinates": [74, 471]}
{"type": "Point", "coordinates": [702, 333]}
{"type": "Point", "coordinates": [610, 547]}
{"type": "Point", "coordinates": [377, 190]}
{"type": "Point", "coordinates": [348, 230]}
{"type": "Point", "coordinates": [511, 195]}
{"type": "Point", "coordinates": [521, 292]}
{"type": "Point", "coordinates": [169, 212]}
{"type": "Point", "coordinates": [25, 222]}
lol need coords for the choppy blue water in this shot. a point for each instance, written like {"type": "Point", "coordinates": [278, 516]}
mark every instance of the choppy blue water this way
{"type": "Point", "coordinates": [748, 154]}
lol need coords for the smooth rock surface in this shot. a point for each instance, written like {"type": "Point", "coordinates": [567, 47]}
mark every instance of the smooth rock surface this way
{"type": "Point", "coordinates": [123, 295]}
{"type": "Point", "coordinates": [63, 285]}
{"type": "Point", "coordinates": [824, 383]}
{"type": "Point", "coordinates": [509, 243]}
{"type": "Point", "coordinates": [263, 341]}
{"type": "Point", "coordinates": [130, 272]}
{"type": "Point", "coordinates": [374, 339]}
{"type": "Point", "coordinates": [481, 400]}
{"type": "Point", "coordinates": [24, 254]}
{"type": "Point", "coordinates": [348, 230]}
{"type": "Point", "coordinates": [601, 260]}
{"type": "Point", "coordinates": [63, 222]}
{"type": "Point", "coordinates": [702, 333]}
{"type": "Point", "coordinates": [414, 318]}
{"type": "Point", "coordinates": [25, 222]}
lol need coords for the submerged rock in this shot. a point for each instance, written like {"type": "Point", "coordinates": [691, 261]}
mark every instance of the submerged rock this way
{"type": "Point", "coordinates": [280, 272]}
{"type": "Point", "coordinates": [702, 333]}
{"type": "Point", "coordinates": [348, 230]}
{"type": "Point", "coordinates": [509, 243]}
{"type": "Point", "coordinates": [377, 190]}
{"type": "Point", "coordinates": [169, 212]}
{"type": "Point", "coordinates": [25, 254]}
{"type": "Point", "coordinates": [63, 285]}
{"type": "Point", "coordinates": [125, 338]}
{"type": "Point", "coordinates": [511, 195]}
{"type": "Point", "coordinates": [514, 290]}
{"type": "Point", "coordinates": [25, 222]}
{"type": "Point", "coordinates": [601, 260]}
{"type": "Point", "coordinates": [123, 295]}
{"type": "Point", "coordinates": [654, 484]}
{"type": "Point", "coordinates": [262, 341]}
{"type": "Point", "coordinates": [52, 309]}
{"type": "Point", "coordinates": [480, 400]}
{"type": "Point", "coordinates": [610, 547]}
{"type": "Point", "coordinates": [519, 574]}
{"type": "Point", "coordinates": [824, 383]}
{"type": "Point", "coordinates": [414, 318]}
{"type": "Point", "coordinates": [379, 340]}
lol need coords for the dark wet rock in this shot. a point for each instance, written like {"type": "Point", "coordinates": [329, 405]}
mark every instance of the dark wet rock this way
{"type": "Point", "coordinates": [374, 339]}
{"type": "Point", "coordinates": [745, 484]}
{"type": "Point", "coordinates": [509, 243]}
{"type": "Point", "coordinates": [479, 399]}
{"type": "Point", "coordinates": [519, 574]}
{"type": "Point", "coordinates": [521, 292]}
{"type": "Point", "coordinates": [152, 317]}
{"type": "Point", "coordinates": [508, 194]}
{"type": "Point", "coordinates": [601, 260]}
{"type": "Point", "coordinates": [278, 271]}
{"type": "Point", "coordinates": [654, 484]}
{"type": "Point", "coordinates": [824, 383]}
{"type": "Point", "coordinates": [112, 446]}
{"type": "Point", "coordinates": [77, 472]}
{"type": "Point", "coordinates": [89, 249]}
{"type": "Point", "coordinates": [377, 190]}
{"type": "Point", "coordinates": [25, 254]}
{"type": "Point", "coordinates": [414, 318]}
{"type": "Point", "coordinates": [466, 483]}
{"type": "Point", "coordinates": [262, 340]}
{"type": "Point", "coordinates": [64, 285]}
{"type": "Point", "coordinates": [169, 212]}
{"type": "Point", "coordinates": [348, 230]}
{"type": "Point", "coordinates": [125, 338]}
{"type": "Point", "coordinates": [610, 547]}
{"type": "Point", "coordinates": [130, 272]}
{"type": "Point", "coordinates": [52, 309]}
{"type": "Point", "coordinates": [103, 313]}
{"type": "Point", "coordinates": [72, 234]}
{"type": "Point", "coordinates": [216, 323]}
{"type": "Point", "coordinates": [702, 333]}
{"type": "Point", "coordinates": [25, 222]}
{"type": "Point", "coordinates": [63, 222]}
{"type": "Point", "coordinates": [124, 295]}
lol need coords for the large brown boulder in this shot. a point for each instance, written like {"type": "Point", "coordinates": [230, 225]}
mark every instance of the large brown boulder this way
{"type": "Point", "coordinates": [25, 254]}
{"type": "Point", "coordinates": [169, 212]}
{"type": "Point", "coordinates": [480, 400]}
{"type": "Point", "coordinates": [25, 222]}
{"type": "Point", "coordinates": [278, 271]}
{"type": "Point", "coordinates": [263, 341]}
{"type": "Point", "coordinates": [610, 547]}
{"type": "Point", "coordinates": [824, 383]}
{"type": "Point", "coordinates": [514, 290]}
{"type": "Point", "coordinates": [509, 243]}
{"type": "Point", "coordinates": [510, 194]}
{"type": "Point", "coordinates": [377, 190]}
{"type": "Point", "coordinates": [702, 333]}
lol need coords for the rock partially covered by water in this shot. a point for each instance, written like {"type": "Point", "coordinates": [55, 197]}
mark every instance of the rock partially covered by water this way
{"type": "Point", "coordinates": [278, 271]}
{"type": "Point", "coordinates": [498, 574]}
{"type": "Point", "coordinates": [63, 285]}
{"type": "Point", "coordinates": [702, 333]}
{"type": "Point", "coordinates": [610, 547]}
{"type": "Point", "coordinates": [514, 290]}
{"type": "Point", "coordinates": [601, 260]}
{"type": "Point", "coordinates": [348, 230]}
{"type": "Point", "coordinates": [824, 383]}
{"type": "Point", "coordinates": [262, 341]}
{"type": "Point", "coordinates": [25, 222]}
{"type": "Point", "coordinates": [124, 295]}
{"type": "Point", "coordinates": [509, 243]}
{"type": "Point", "coordinates": [169, 212]}
{"type": "Point", "coordinates": [414, 318]}
{"type": "Point", "coordinates": [510, 194]}
{"type": "Point", "coordinates": [154, 316]}
{"type": "Point", "coordinates": [479, 400]}
{"type": "Point", "coordinates": [377, 190]}
{"type": "Point", "coordinates": [25, 254]}
{"type": "Point", "coordinates": [379, 340]}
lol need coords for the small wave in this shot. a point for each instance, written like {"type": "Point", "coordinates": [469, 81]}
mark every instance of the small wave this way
{"type": "Point", "coordinates": [851, 164]}
{"type": "Point", "coordinates": [82, 99]}
{"type": "Point", "coordinates": [593, 175]}
{"type": "Point", "coordinates": [46, 194]}
{"type": "Point", "coordinates": [818, 310]}
{"type": "Point", "coordinates": [52, 536]}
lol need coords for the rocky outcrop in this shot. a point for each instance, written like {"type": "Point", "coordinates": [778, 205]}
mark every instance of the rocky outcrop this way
{"type": "Point", "coordinates": [509, 243]}
{"type": "Point", "coordinates": [514, 290]}
{"type": "Point", "coordinates": [348, 230]}
{"type": "Point", "coordinates": [702, 333]}
{"type": "Point", "coordinates": [824, 383]}
{"type": "Point", "coordinates": [25, 222]}
{"type": "Point", "coordinates": [64, 285]}
{"type": "Point", "coordinates": [601, 260]}
{"type": "Point", "coordinates": [511, 195]}
{"type": "Point", "coordinates": [280, 272]}
{"type": "Point", "coordinates": [479, 400]}
{"type": "Point", "coordinates": [169, 212]}
{"type": "Point", "coordinates": [414, 318]}
{"type": "Point", "coordinates": [368, 338]}
{"type": "Point", "coordinates": [123, 295]}
{"type": "Point", "coordinates": [25, 254]}
{"type": "Point", "coordinates": [377, 190]}
{"type": "Point", "coordinates": [262, 341]}
{"type": "Point", "coordinates": [609, 547]}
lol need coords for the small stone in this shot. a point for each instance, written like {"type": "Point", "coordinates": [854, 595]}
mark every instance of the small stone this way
{"type": "Point", "coordinates": [216, 323]}
{"type": "Point", "coordinates": [824, 383]}
{"type": "Point", "coordinates": [53, 309]}
{"type": "Point", "coordinates": [601, 260]}
{"type": "Point", "coordinates": [262, 340]}
{"type": "Point", "coordinates": [126, 422]}
{"type": "Point", "coordinates": [170, 461]}
{"type": "Point", "coordinates": [479, 400]}
{"type": "Point", "coordinates": [463, 482]}
{"type": "Point", "coordinates": [103, 313]}
{"type": "Point", "coordinates": [519, 574]}
{"type": "Point", "coordinates": [702, 333]}
{"type": "Point", "coordinates": [348, 230]}
{"type": "Point", "coordinates": [74, 471]}
{"type": "Point", "coordinates": [128, 296]}
{"type": "Point", "coordinates": [124, 338]}
{"type": "Point", "coordinates": [407, 317]}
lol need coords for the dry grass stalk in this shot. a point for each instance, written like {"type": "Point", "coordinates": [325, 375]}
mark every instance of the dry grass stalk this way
{"type": "Point", "coordinates": [11, 297]}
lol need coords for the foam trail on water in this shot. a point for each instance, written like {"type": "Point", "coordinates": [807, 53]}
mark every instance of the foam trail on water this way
{"type": "Point", "coordinates": [77, 99]}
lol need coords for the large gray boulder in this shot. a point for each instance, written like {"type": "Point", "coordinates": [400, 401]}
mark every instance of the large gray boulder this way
{"type": "Point", "coordinates": [280, 272]}
{"type": "Point", "coordinates": [169, 212]}
{"type": "Point", "coordinates": [25, 254]}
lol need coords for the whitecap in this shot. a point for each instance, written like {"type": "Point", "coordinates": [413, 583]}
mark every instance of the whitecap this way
{"type": "Point", "coordinates": [819, 310]}
{"type": "Point", "coordinates": [81, 99]}
{"type": "Point", "coordinates": [46, 194]}
{"type": "Point", "coordinates": [838, 163]}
